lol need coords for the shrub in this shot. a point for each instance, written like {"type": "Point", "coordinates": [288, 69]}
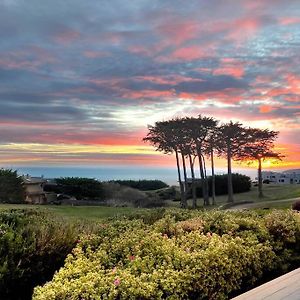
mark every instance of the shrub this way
{"type": "Point", "coordinates": [143, 185]}
{"type": "Point", "coordinates": [167, 193]}
{"type": "Point", "coordinates": [33, 246]}
{"type": "Point", "coordinates": [241, 183]}
{"type": "Point", "coordinates": [208, 256]}
{"type": "Point", "coordinates": [118, 195]}
{"type": "Point", "coordinates": [80, 188]}
{"type": "Point", "coordinates": [11, 187]}
{"type": "Point", "coordinates": [296, 205]}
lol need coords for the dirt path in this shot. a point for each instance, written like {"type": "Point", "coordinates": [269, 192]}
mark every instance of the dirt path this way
{"type": "Point", "coordinates": [260, 204]}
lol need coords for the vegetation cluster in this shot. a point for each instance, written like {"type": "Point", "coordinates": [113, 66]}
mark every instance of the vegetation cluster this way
{"type": "Point", "coordinates": [143, 185]}
{"type": "Point", "coordinates": [198, 139]}
{"type": "Point", "coordinates": [78, 187]}
{"type": "Point", "coordinates": [33, 245]}
{"type": "Point", "coordinates": [240, 184]}
{"type": "Point", "coordinates": [11, 187]}
{"type": "Point", "coordinates": [175, 254]}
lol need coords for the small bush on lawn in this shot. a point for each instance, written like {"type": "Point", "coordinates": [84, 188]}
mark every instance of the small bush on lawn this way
{"type": "Point", "coordinates": [32, 247]}
{"type": "Point", "coordinates": [142, 185]}
{"type": "Point", "coordinates": [296, 205]}
{"type": "Point", "coordinates": [183, 255]}
{"type": "Point", "coordinates": [241, 183]}
{"type": "Point", "coordinates": [118, 195]}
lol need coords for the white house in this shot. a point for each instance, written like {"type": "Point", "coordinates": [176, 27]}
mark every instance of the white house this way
{"type": "Point", "coordinates": [285, 177]}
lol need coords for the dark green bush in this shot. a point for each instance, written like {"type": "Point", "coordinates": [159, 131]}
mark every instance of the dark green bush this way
{"type": "Point", "coordinates": [80, 188]}
{"type": "Point", "coordinates": [241, 183]}
{"type": "Point", "coordinates": [33, 246]}
{"type": "Point", "coordinates": [11, 187]}
{"type": "Point", "coordinates": [143, 185]}
{"type": "Point", "coordinates": [296, 205]}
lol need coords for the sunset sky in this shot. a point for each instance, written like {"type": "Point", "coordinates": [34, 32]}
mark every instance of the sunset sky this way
{"type": "Point", "coordinates": [80, 80]}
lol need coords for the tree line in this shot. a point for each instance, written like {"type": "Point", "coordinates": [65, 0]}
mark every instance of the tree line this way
{"type": "Point", "coordinates": [196, 140]}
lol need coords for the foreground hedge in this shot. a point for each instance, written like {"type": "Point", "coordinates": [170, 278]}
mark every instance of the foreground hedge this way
{"type": "Point", "coordinates": [33, 245]}
{"type": "Point", "coordinates": [208, 256]}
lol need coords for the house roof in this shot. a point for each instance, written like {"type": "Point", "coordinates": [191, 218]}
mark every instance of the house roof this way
{"type": "Point", "coordinates": [33, 180]}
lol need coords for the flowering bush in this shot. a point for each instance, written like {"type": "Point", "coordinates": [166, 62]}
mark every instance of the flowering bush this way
{"type": "Point", "coordinates": [206, 255]}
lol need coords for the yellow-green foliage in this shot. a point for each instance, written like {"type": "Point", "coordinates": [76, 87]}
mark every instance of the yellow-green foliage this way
{"type": "Point", "coordinates": [207, 256]}
{"type": "Point", "coordinates": [33, 245]}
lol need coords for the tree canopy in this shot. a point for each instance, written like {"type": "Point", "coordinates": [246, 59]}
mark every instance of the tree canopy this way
{"type": "Point", "coordinates": [11, 187]}
{"type": "Point", "coordinates": [201, 137]}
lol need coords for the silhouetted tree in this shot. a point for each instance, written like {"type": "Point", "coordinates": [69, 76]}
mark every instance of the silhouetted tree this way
{"type": "Point", "coordinates": [231, 138]}
{"type": "Point", "coordinates": [198, 130]}
{"type": "Point", "coordinates": [209, 151]}
{"type": "Point", "coordinates": [162, 137]}
{"type": "Point", "coordinates": [259, 148]}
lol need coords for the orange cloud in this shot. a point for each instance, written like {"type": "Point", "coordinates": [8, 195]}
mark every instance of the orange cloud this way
{"type": "Point", "coordinates": [266, 109]}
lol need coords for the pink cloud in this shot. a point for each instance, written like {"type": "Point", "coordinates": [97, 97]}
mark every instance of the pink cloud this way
{"type": "Point", "coordinates": [243, 28]}
{"type": "Point", "coordinates": [289, 21]}
{"type": "Point", "coordinates": [233, 71]}
{"type": "Point", "coordinates": [290, 86]}
{"type": "Point", "coordinates": [189, 53]}
{"type": "Point", "coordinates": [228, 96]}
{"type": "Point", "coordinates": [230, 66]}
{"type": "Point", "coordinates": [178, 32]}
{"type": "Point", "coordinates": [31, 57]}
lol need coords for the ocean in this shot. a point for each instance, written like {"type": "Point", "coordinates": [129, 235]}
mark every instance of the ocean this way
{"type": "Point", "coordinates": [105, 173]}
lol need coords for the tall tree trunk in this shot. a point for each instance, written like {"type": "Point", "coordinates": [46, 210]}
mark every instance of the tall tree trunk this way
{"type": "Point", "coordinates": [213, 178]}
{"type": "Point", "coordinates": [204, 194]}
{"type": "Point", "coordinates": [206, 181]}
{"type": "Point", "coordinates": [185, 182]}
{"type": "Point", "coordinates": [260, 183]}
{"type": "Point", "coordinates": [229, 175]}
{"type": "Point", "coordinates": [179, 179]}
{"type": "Point", "coordinates": [193, 182]}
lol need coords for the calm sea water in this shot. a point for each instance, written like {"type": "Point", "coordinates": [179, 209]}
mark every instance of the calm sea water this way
{"type": "Point", "coordinates": [104, 173]}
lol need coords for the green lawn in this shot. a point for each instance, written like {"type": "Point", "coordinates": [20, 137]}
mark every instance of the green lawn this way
{"type": "Point", "coordinates": [78, 212]}
{"type": "Point", "coordinates": [272, 193]}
